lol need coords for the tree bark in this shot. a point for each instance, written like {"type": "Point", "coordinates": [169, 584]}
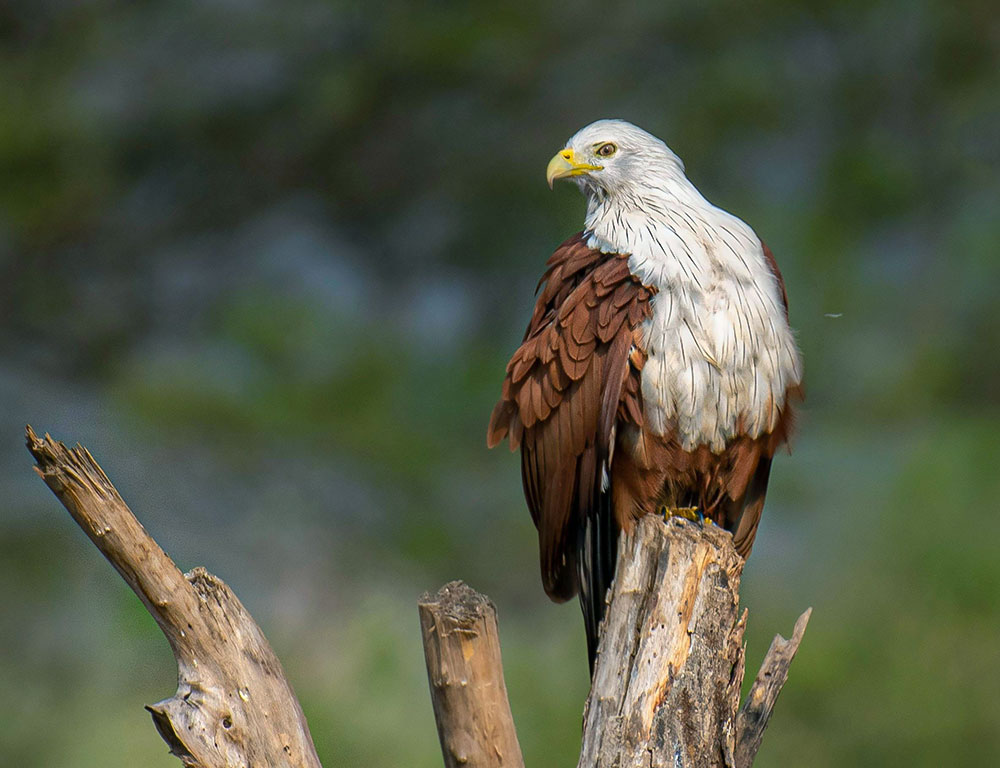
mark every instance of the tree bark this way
{"type": "Point", "coordinates": [462, 651]}
{"type": "Point", "coordinates": [666, 686]}
{"type": "Point", "coordinates": [233, 705]}
{"type": "Point", "coordinates": [670, 663]}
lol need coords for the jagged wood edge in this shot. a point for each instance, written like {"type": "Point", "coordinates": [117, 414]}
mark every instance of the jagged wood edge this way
{"type": "Point", "coordinates": [759, 704]}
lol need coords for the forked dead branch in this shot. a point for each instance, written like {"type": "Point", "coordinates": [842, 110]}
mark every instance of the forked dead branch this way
{"type": "Point", "coordinates": [665, 690]}
{"type": "Point", "coordinates": [233, 705]}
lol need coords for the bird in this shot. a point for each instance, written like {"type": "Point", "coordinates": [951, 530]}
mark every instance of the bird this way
{"type": "Point", "coordinates": [658, 373]}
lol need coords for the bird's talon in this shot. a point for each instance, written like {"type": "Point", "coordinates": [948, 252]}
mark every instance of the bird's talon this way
{"type": "Point", "coordinates": [688, 513]}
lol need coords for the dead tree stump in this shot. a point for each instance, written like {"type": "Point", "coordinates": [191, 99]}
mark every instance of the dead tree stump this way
{"type": "Point", "coordinates": [666, 686]}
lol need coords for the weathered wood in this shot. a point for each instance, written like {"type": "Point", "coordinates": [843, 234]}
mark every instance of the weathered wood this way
{"type": "Point", "coordinates": [233, 705]}
{"type": "Point", "coordinates": [670, 664]}
{"type": "Point", "coordinates": [670, 661]}
{"type": "Point", "coordinates": [462, 651]}
{"type": "Point", "coordinates": [759, 704]}
{"type": "Point", "coordinates": [666, 686]}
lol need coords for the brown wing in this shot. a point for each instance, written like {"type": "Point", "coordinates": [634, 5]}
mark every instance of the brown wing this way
{"type": "Point", "coordinates": [747, 484]}
{"type": "Point", "coordinates": [565, 388]}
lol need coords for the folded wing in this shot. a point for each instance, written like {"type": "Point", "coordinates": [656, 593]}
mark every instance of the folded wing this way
{"type": "Point", "coordinates": [572, 381]}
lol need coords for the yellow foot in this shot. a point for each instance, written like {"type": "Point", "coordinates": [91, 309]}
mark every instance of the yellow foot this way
{"type": "Point", "coordinates": [688, 513]}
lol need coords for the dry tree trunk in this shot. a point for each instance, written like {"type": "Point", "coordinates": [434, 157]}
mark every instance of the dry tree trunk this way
{"type": "Point", "coordinates": [233, 706]}
{"type": "Point", "coordinates": [670, 664]}
{"type": "Point", "coordinates": [666, 688]}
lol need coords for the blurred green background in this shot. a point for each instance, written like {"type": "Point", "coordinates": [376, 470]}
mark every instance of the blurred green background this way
{"type": "Point", "coordinates": [267, 261]}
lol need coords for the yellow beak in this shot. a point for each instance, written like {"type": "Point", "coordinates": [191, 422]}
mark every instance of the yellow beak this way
{"type": "Point", "coordinates": [564, 164]}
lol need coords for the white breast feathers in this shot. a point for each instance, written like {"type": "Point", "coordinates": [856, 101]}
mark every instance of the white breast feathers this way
{"type": "Point", "coordinates": [721, 355]}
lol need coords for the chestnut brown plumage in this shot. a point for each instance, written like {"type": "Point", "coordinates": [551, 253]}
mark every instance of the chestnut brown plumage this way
{"type": "Point", "coordinates": [566, 388]}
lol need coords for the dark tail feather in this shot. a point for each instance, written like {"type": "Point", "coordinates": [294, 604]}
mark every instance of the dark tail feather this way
{"type": "Point", "coordinates": [597, 552]}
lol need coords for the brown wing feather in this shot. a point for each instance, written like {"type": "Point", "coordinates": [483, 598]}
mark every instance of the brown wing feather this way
{"type": "Point", "coordinates": [751, 505]}
{"type": "Point", "coordinates": [574, 375]}
{"type": "Point", "coordinates": [772, 264]}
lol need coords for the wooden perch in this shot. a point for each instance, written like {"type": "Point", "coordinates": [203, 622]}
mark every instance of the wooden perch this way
{"type": "Point", "coordinates": [670, 664]}
{"type": "Point", "coordinates": [233, 705]}
{"type": "Point", "coordinates": [462, 650]}
{"type": "Point", "coordinates": [666, 685]}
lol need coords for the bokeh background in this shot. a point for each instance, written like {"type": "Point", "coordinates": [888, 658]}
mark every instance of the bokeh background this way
{"type": "Point", "coordinates": [268, 260]}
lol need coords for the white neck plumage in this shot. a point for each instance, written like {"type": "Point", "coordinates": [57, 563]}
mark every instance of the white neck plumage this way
{"type": "Point", "coordinates": [619, 214]}
{"type": "Point", "coordinates": [670, 231]}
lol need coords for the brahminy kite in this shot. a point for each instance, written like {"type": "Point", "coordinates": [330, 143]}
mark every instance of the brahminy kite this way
{"type": "Point", "coordinates": [658, 369]}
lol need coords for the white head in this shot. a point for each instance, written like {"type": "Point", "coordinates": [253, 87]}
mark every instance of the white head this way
{"type": "Point", "coordinates": [613, 158]}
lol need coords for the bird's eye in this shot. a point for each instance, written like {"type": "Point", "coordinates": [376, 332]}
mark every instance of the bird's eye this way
{"type": "Point", "coordinates": [607, 149]}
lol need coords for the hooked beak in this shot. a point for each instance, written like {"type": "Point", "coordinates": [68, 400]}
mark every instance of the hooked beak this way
{"type": "Point", "coordinates": [564, 165]}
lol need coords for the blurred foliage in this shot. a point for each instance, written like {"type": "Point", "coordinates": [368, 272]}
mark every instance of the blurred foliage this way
{"type": "Point", "coordinates": [268, 261]}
